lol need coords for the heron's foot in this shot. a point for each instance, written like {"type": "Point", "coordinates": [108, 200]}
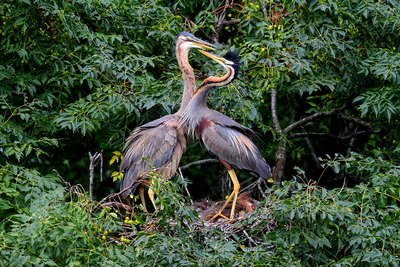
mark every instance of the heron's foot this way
{"type": "Point", "coordinates": [220, 215]}
{"type": "Point", "coordinates": [217, 214]}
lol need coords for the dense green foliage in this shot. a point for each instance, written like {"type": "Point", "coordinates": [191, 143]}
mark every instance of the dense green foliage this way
{"type": "Point", "coordinates": [77, 76]}
{"type": "Point", "coordinates": [315, 226]}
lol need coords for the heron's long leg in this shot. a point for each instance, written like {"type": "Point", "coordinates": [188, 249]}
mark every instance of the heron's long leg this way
{"type": "Point", "coordinates": [151, 196]}
{"type": "Point", "coordinates": [141, 194]}
{"type": "Point", "coordinates": [234, 195]}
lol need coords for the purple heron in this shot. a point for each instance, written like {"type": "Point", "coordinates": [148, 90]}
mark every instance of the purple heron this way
{"type": "Point", "coordinates": [223, 137]}
{"type": "Point", "coordinates": [162, 141]}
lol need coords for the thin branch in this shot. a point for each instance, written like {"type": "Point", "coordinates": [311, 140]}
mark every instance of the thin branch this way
{"type": "Point", "coordinates": [251, 239]}
{"type": "Point", "coordinates": [311, 149]}
{"type": "Point", "coordinates": [326, 113]}
{"type": "Point", "coordinates": [356, 120]}
{"type": "Point", "coordinates": [23, 94]}
{"type": "Point", "coordinates": [101, 166]}
{"type": "Point", "coordinates": [230, 22]}
{"type": "Point", "coordinates": [307, 119]}
{"type": "Point", "coordinates": [187, 191]}
{"type": "Point", "coordinates": [59, 176]}
{"type": "Point", "coordinates": [350, 146]}
{"type": "Point", "coordinates": [298, 135]}
{"type": "Point", "coordinates": [259, 187]}
{"type": "Point", "coordinates": [114, 195]}
{"type": "Point", "coordinates": [117, 205]}
{"type": "Point", "coordinates": [200, 162]}
{"type": "Point", "coordinates": [344, 183]}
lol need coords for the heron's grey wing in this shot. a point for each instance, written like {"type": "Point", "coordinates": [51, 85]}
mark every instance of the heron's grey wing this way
{"type": "Point", "coordinates": [162, 142]}
{"type": "Point", "coordinates": [226, 121]}
{"type": "Point", "coordinates": [234, 147]}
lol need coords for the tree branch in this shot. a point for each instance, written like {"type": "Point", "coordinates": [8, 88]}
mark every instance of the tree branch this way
{"type": "Point", "coordinates": [59, 176]}
{"type": "Point", "coordinates": [264, 8]}
{"type": "Point", "coordinates": [275, 120]}
{"type": "Point", "coordinates": [297, 135]}
{"type": "Point", "coordinates": [222, 22]}
{"type": "Point", "coordinates": [23, 94]}
{"type": "Point", "coordinates": [280, 153]}
{"type": "Point", "coordinates": [356, 120]}
{"type": "Point", "coordinates": [93, 162]}
{"type": "Point", "coordinates": [311, 149]}
{"type": "Point", "coordinates": [200, 162]}
{"type": "Point", "coordinates": [307, 119]}
{"type": "Point", "coordinates": [219, 24]}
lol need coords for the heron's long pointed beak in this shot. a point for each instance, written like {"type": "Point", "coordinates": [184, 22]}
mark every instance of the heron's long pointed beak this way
{"type": "Point", "coordinates": [203, 44]}
{"type": "Point", "coordinates": [219, 59]}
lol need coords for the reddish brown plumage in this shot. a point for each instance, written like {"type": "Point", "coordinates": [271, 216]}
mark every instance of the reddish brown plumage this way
{"type": "Point", "coordinates": [161, 141]}
{"type": "Point", "coordinates": [245, 204]}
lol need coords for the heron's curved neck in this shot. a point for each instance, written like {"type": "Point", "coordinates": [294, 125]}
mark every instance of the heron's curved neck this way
{"type": "Point", "coordinates": [200, 97]}
{"type": "Point", "coordinates": [197, 107]}
{"type": "Point", "coordinates": [189, 87]}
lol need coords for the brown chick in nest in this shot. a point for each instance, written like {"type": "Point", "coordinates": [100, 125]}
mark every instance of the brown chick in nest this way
{"type": "Point", "coordinates": [245, 204]}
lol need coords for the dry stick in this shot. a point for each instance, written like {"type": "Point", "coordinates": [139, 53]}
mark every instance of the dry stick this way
{"type": "Point", "coordinates": [92, 164]}
{"type": "Point", "coordinates": [251, 239]}
{"type": "Point", "coordinates": [350, 136]}
{"type": "Point", "coordinates": [219, 24]}
{"type": "Point", "coordinates": [187, 191]}
{"type": "Point", "coordinates": [117, 205]}
{"type": "Point", "coordinates": [200, 162]}
{"type": "Point", "coordinates": [112, 196]}
{"type": "Point", "coordinates": [23, 94]}
{"type": "Point", "coordinates": [259, 187]}
{"type": "Point", "coordinates": [59, 176]}
{"type": "Point", "coordinates": [101, 167]}
{"type": "Point", "coordinates": [344, 183]}
{"type": "Point", "coordinates": [311, 149]}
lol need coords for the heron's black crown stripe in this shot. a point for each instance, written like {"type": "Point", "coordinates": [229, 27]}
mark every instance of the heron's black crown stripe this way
{"type": "Point", "coordinates": [235, 58]}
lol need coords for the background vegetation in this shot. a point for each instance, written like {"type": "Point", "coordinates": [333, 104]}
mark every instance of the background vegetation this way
{"type": "Point", "coordinates": [319, 81]}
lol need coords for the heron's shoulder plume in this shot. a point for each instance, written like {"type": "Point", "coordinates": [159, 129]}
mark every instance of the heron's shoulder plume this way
{"type": "Point", "coordinates": [235, 58]}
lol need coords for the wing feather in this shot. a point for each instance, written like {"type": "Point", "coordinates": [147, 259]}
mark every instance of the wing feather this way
{"type": "Point", "coordinates": [234, 147]}
{"type": "Point", "coordinates": [161, 141]}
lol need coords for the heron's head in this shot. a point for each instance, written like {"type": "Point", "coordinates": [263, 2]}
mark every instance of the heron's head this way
{"type": "Point", "coordinates": [188, 41]}
{"type": "Point", "coordinates": [230, 59]}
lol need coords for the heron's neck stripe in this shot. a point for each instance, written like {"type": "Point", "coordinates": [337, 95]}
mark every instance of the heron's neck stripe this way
{"type": "Point", "coordinates": [216, 81]}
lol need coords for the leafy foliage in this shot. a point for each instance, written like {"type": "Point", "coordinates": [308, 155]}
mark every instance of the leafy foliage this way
{"type": "Point", "coordinates": [346, 226]}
